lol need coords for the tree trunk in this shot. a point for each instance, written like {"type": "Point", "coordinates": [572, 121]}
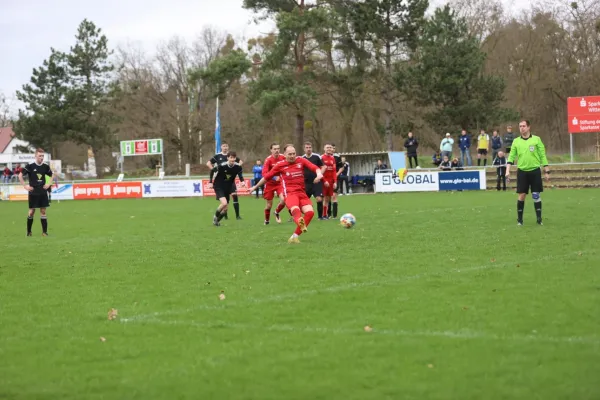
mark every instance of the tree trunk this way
{"type": "Point", "coordinates": [299, 133]}
{"type": "Point", "coordinates": [347, 131]}
{"type": "Point", "coordinates": [387, 95]}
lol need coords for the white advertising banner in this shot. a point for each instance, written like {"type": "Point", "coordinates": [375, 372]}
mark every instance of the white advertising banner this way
{"type": "Point", "coordinates": [18, 158]}
{"type": "Point", "coordinates": [413, 182]}
{"type": "Point", "coordinates": [64, 191]}
{"type": "Point", "coordinates": [175, 188]}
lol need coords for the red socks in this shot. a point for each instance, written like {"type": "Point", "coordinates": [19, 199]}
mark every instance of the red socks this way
{"type": "Point", "coordinates": [325, 209]}
{"type": "Point", "coordinates": [308, 217]}
{"type": "Point", "coordinates": [280, 207]}
{"type": "Point", "coordinates": [297, 214]}
{"type": "Point", "coordinates": [267, 214]}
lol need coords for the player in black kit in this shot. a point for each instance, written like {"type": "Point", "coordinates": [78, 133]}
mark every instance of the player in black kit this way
{"type": "Point", "coordinates": [313, 189]}
{"type": "Point", "coordinates": [219, 159]}
{"type": "Point", "coordinates": [38, 189]}
{"type": "Point", "coordinates": [223, 182]}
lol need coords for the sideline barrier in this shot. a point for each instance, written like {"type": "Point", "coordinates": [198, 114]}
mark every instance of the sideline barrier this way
{"type": "Point", "coordinates": [430, 181]}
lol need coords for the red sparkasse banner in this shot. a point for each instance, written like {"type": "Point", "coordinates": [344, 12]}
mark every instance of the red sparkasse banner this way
{"type": "Point", "coordinates": [207, 190]}
{"type": "Point", "coordinates": [141, 147]}
{"type": "Point", "coordinates": [107, 190]}
{"type": "Point", "coordinates": [583, 114]}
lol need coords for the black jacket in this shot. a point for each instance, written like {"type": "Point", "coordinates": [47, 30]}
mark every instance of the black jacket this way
{"type": "Point", "coordinates": [411, 145]}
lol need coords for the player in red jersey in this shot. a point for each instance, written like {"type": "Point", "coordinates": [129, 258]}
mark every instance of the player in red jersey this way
{"type": "Point", "coordinates": [273, 185]}
{"type": "Point", "coordinates": [329, 177]}
{"type": "Point", "coordinates": [291, 171]}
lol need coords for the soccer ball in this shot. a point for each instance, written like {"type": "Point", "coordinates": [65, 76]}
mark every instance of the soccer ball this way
{"type": "Point", "coordinates": [347, 221]}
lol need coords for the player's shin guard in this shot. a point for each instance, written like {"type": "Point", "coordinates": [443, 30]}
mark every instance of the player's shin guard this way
{"type": "Point", "coordinates": [236, 205]}
{"type": "Point", "coordinates": [335, 209]}
{"type": "Point", "coordinates": [29, 224]}
{"type": "Point", "coordinates": [325, 210]}
{"type": "Point", "coordinates": [280, 207]}
{"type": "Point", "coordinates": [537, 204]}
{"type": "Point", "coordinates": [308, 216]}
{"type": "Point", "coordinates": [520, 206]}
{"type": "Point", "coordinates": [44, 221]}
{"type": "Point", "coordinates": [320, 209]}
{"type": "Point", "coordinates": [267, 214]}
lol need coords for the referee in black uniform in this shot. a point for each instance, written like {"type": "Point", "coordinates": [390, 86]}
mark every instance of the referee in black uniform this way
{"type": "Point", "coordinates": [313, 189]}
{"type": "Point", "coordinates": [38, 189]}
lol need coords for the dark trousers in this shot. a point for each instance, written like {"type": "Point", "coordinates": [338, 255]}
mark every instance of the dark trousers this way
{"type": "Point", "coordinates": [254, 182]}
{"type": "Point", "coordinates": [501, 178]}
{"type": "Point", "coordinates": [410, 160]}
{"type": "Point", "coordinates": [342, 179]}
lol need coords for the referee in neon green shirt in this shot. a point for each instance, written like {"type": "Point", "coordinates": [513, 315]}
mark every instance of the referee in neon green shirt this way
{"type": "Point", "coordinates": [530, 152]}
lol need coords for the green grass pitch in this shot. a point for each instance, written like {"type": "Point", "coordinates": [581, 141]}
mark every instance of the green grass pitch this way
{"type": "Point", "coordinates": [463, 304]}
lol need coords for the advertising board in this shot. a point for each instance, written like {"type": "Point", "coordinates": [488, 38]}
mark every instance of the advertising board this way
{"type": "Point", "coordinates": [412, 182]}
{"type": "Point", "coordinates": [107, 190]}
{"type": "Point", "coordinates": [175, 188]}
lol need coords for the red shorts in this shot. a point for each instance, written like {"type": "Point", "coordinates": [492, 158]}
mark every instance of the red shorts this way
{"type": "Point", "coordinates": [328, 190]}
{"type": "Point", "coordinates": [297, 200]}
{"type": "Point", "coordinates": [270, 189]}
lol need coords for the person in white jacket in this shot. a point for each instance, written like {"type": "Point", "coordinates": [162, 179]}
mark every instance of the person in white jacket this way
{"type": "Point", "coordinates": [446, 146]}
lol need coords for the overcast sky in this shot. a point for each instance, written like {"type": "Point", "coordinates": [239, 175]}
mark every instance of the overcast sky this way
{"type": "Point", "coordinates": [28, 28]}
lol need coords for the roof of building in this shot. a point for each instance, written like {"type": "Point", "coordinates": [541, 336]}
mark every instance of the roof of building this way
{"type": "Point", "coordinates": [6, 135]}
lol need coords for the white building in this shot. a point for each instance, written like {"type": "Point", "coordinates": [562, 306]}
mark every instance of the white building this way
{"type": "Point", "coordinates": [9, 149]}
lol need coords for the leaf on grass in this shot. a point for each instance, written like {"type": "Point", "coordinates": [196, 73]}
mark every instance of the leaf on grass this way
{"type": "Point", "coordinates": [492, 260]}
{"type": "Point", "coordinates": [222, 296]}
{"type": "Point", "coordinates": [429, 365]}
{"type": "Point", "coordinates": [518, 266]}
{"type": "Point", "coordinates": [368, 328]}
{"type": "Point", "coordinates": [465, 308]}
{"type": "Point", "coordinates": [102, 339]}
{"type": "Point", "coordinates": [247, 271]}
{"type": "Point", "coordinates": [112, 314]}
{"type": "Point", "coordinates": [580, 253]}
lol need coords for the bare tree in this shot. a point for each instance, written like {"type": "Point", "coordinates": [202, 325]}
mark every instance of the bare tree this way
{"type": "Point", "coordinates": [5, 113]}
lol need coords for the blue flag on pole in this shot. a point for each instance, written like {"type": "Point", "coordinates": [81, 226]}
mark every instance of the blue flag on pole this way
{"type": "Point", "coordinates": [218, 130]}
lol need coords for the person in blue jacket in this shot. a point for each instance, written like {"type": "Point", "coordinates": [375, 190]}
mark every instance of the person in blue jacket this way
{"type": "Point", "coordinates": [464, 144]}
{"type": "Point", "coordinates": [257, 171]}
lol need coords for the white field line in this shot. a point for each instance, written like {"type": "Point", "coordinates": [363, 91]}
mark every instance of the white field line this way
{"type": "Point", "coordinates": [534, 337]}
{"type": "Point", "coordinates": [340, 288]}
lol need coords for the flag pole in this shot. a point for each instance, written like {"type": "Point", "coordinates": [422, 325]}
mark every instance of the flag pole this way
{"type": "Point", "coordinates": [218, 130]}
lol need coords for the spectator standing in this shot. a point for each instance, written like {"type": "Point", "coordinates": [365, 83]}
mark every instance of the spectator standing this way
{"type": "Point", "coordinates": [500, 163]}
{"type": "Point", "coordinates": [343, 177]}
{"type": "Point", "coordinates": [509, 136]}
{"type": "Point", "coordinates": [411, 145]}
{"type": "Point", "coordinates": [446, 146]}
{"type": "Point", "coordinates": [257, 171]}
{"type": "Point", "coordinates": [496, 144]}
{"type": "Point", "coordinates": [464, 144]}
{"type": "Point", "coordinates": [483, 147]}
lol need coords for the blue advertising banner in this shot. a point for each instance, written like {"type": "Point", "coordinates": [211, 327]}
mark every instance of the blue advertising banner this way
{"type": "Point", "coordinates": [462, 180]}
